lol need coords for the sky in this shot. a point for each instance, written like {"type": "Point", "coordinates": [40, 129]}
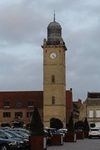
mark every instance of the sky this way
{"type": "Point", "coordinates": [23, 26]}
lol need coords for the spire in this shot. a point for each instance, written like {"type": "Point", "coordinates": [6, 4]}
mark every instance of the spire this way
{"type": "Point", "coordinates": [54, 16]}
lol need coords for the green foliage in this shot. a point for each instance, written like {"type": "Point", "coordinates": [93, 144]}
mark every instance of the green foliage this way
{"type": "Point", "coordinates": [79, 125]}
{"type": "Point", "coordinates": [56, 123]}
{"type": "Point", "coordinates": [36, 125]}
{"type": "Point", "coordinates": [86, 125]}
{"type": "Point", "coordinates": [71, 124]}
{"type": "Point", "coordinates": [83, 125]}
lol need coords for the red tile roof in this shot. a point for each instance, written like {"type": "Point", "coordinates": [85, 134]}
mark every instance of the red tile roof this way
{"type": "Point", "coordinates": [23, 97]}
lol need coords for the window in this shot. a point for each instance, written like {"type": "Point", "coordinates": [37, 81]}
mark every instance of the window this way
{"type": "Point", "coordinates": [6, 114]}
{"type": "Point", "coordinates": [18, 104]}
{"type": "Point", "coordinates": [91, 114]}
{"type": "Point", "coordinates": [6, 103]}
{"type": "Point", "coordinates": [97, 113]}
{"type": "Point", "coordinates": [30, 104]}
{"type": "Point", "coordinates": [29, 114]}
{"type": "Point", "coordinates": [53, 100]}
{"type": "Point", "coordinates": [53, 78]}
{"type": "Point", "coordinates": [18, 114]}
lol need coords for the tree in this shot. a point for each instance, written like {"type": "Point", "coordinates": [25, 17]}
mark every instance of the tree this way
{"type": "Point", "coordinates": [36, 125]}
{"type": "Point", "coordinates": [71, 124]}
{"type": "Point", "coordinates": [56, 123]}
{"type": "Point", "coordinates": [79, 125]}
{"type": "Point", "coordinates": [86, 125]}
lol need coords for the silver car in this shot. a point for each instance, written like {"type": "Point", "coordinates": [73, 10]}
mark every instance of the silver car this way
{"type": "Point", "coordinates": [94, 132]}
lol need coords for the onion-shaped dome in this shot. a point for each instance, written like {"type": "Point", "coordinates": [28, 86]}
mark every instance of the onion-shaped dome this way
{"type": "Point", "coordinates": [54, 26]}
{"type": "Point", "coordinates": [54, 32]}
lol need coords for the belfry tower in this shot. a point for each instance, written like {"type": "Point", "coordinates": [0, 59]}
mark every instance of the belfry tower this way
{"type": "Point", "coordinates": [54, 80]}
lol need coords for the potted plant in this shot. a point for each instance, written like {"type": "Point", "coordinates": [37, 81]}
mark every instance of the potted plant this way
{"type": "Point", "coordinates": [36, 128]}
{"type": "Point", "coordinates": [70, 135]}
{"type": "Point", "coordinates": [79, 128]}
{"type": "Point", "coordinates": [86, 128]}
{"type": "Point", "coordinates": [57, 138]}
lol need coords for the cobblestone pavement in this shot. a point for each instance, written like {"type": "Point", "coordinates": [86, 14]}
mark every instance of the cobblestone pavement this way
{"type": "Point", "coordinates": [85, 144]}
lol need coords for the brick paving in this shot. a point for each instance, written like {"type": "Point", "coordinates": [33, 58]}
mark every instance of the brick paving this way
{"type": "Point", "coordinates": [85, 144]}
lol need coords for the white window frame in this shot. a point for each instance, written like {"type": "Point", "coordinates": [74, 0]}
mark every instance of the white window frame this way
{"type": "Point", "coordinates": [97, 113]}
{"type": "Point", "coordinates": [91, 114]}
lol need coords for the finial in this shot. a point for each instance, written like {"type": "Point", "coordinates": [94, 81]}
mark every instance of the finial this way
{"type": "Point", "coordinates": [54, 15]}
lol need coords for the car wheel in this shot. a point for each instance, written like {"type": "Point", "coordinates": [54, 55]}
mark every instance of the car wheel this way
{"type": "Point", "coordinates": [3, 147]}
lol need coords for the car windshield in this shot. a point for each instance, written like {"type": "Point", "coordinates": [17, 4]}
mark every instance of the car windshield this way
{"type": "Point", "coordinates": [94, 129]}
{"type": "Point", "coordinates": [22, 133]}
{"type": "Point", "coordinates": [12, 134]}
{"type": "Point", "coordinates": [4, 134]}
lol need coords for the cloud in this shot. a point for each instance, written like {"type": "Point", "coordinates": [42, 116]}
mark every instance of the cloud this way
{"type": "Point", "coordinates": [23, 25]}
{"type": "Point", "coordinates": [20, 23]}
{"type": "Point", "coordinates": [20, 74]}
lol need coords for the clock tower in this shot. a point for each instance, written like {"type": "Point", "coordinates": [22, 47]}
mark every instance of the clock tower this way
{"type": "Point", "coordinates": [54, 77]}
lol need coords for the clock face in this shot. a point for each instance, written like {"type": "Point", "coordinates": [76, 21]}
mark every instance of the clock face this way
{"type": "Point", "coordinates": [53, 55]}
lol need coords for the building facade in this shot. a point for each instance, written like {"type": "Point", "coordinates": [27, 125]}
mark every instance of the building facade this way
{"type": "Point", "coordinates": [19, 105]}
{"type": "Point", "coordinates": [54, 101]}
{"type": "Point", "coordinates": [82, 111]}
{"type": "Point", "coordinates": [93, 108]}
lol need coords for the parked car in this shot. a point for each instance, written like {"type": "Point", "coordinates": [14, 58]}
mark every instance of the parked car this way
{"type": "Point", "coordinates": [94, 132]}
{"type": "Point", "coordinates": [19, 142]}
{"type": "Point", "coordinates": [48, 132]}
{"type": "Point", "coordinates": [7, 144]}
{"type": "Point", "coordinates": [23, 132]}
{"type": "Point", "coordinates": [62, 131]}
{"type": "Point", "coordinates": [18, 136]}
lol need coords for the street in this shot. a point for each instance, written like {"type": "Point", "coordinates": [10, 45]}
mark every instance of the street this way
{"type": "Point", "coordinates": [86, 144]}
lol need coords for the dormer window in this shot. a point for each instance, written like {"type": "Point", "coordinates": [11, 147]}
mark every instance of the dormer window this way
{"type": "Point", "coordinates": [30, 104]}
{"type": "Point", "coordinates": [18, 104]}
{"type": "Point", "coordinates": [6, 104]}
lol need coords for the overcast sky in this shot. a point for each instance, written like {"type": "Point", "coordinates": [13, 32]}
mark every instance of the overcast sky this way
{"type": "Point", "coordinates": [23, 26]}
